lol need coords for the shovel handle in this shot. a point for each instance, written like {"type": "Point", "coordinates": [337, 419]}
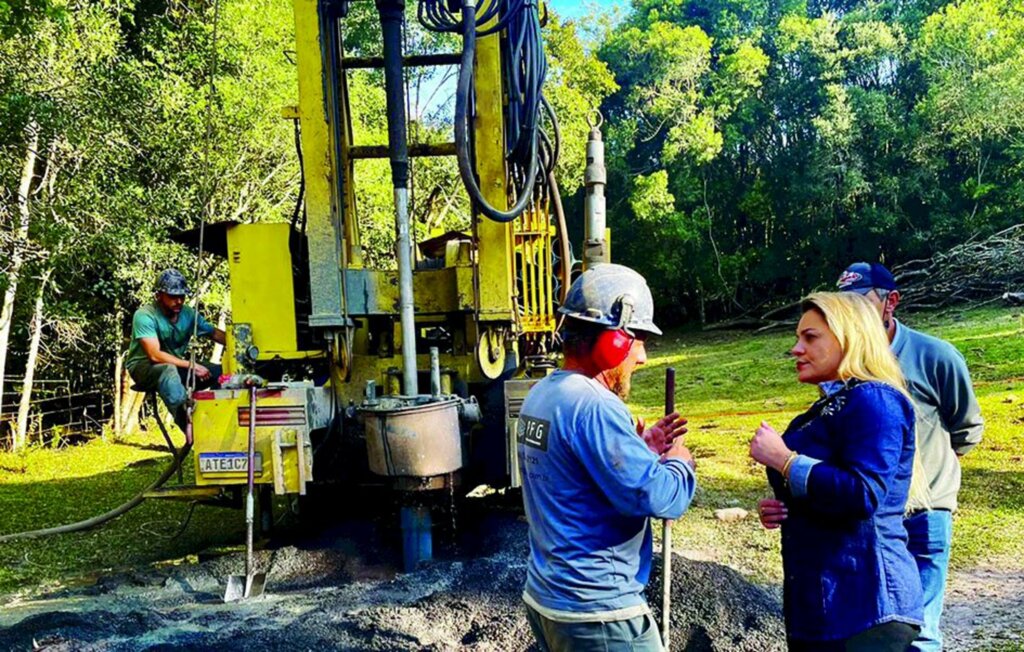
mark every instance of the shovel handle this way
{"type": "Point", "coordinates": [250, 507]}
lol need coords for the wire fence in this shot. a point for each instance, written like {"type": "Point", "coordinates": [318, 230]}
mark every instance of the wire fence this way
{"type": "Point", "coordinates": [56, 411]}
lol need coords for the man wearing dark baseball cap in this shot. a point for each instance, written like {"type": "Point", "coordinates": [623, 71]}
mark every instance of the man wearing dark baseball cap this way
{"type": "Point", "coordinates": [865, 277]}
{"type": "Point", "coordinates": [949, 424]}
{"type": "Point", "coordinates": [157, 356]}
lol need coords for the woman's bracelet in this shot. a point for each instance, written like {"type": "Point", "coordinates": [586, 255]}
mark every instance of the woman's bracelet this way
{"type": "Point", "coordinates": [789, 463]}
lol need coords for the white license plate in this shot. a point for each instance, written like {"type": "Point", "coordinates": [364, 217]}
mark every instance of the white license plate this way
{"type": "Point", "coordinates": [228, 463]}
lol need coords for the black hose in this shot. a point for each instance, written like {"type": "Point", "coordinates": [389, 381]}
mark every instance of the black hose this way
{"type": "Point", "coordinates": [96, 521]}
{"type": "Point", "coordinates": [462, 95]}
{"type": "Point", "coordinates": [302, 181]}
{"type": "Point", "coordinates": [556, 149]}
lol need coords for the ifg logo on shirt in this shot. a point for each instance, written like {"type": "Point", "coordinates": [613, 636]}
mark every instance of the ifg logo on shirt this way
{"type": "Point", "coordinates": [533, 432]}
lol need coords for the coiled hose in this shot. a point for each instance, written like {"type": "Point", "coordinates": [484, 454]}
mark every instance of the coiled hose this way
{"type": "Point", "coordinates": [524, 71]}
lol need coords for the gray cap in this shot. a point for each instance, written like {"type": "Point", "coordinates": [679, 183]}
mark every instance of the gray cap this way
{"type": "Point", "coordinates": [613, 296]}
{"type": "Point", "coordinates": [172, 282]}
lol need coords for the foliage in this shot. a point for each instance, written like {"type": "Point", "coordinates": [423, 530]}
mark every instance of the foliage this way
{"type": "Point", "coordinates": [802, 135]}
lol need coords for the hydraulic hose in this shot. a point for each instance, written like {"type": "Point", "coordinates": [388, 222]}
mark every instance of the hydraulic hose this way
{"type": "Point", "coordinates": [563, 237]}
{"type": "Point", "coordinates": [462, 95]}
{"type": "Point", "coordinates": [96, 521]}
{"type": "Point", "coordinates": [556, 145]}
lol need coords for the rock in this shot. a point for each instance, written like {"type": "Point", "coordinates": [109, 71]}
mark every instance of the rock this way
{"type": "Point", "coordinates": [731, 514]}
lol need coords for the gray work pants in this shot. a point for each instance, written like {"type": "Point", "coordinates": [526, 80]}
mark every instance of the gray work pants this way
{"type": "Point", "coordinates": [169, 382]}
{"type": "Point", "coordinates": [638, 633]}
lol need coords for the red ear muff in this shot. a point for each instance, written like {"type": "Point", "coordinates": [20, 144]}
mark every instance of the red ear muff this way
{"type": "Point", "coordinates": [611, 348]}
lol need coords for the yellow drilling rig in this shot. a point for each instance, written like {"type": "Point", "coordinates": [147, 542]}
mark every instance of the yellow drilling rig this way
{"type": "Point", "coordinates": [417, 371]}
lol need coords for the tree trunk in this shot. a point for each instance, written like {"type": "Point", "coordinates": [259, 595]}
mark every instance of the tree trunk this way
{"type": "Point", "coordinates": [21, 437]}
{"type": "Point", "coordinates": [18, 248]}
{"type": "Point", "coordinates": [118, 369]}
{"type": "Point", "coordinates": [218, 349]}
{"type": "Point", "coordinates": [131, 402]}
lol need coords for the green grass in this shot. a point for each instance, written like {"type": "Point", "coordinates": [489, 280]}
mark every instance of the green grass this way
{"type": "Point", "coordinates": [44, 487]}
{"type": "Point", "coordinates": [726, 384]}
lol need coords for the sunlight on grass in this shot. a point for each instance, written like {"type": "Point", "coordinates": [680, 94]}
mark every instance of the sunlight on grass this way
{"type": "Point", "coordinates": [44, 488]}
{"type": "Point", "coordinates": [726, 383]}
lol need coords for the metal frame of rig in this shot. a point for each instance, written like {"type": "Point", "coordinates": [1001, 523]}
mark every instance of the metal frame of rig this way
{"type": "Point", "coordinates": [472, 317]}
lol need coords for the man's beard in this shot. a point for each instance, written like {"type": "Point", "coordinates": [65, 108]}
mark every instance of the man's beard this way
{"type": "Point", "coordinates": [620, 384]}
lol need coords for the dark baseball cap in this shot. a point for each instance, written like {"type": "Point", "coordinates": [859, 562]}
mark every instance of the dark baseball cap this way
{"type": "Point", "coordinates": [864, 277]}
{"type": "Point", "coordinates": [172, 282]}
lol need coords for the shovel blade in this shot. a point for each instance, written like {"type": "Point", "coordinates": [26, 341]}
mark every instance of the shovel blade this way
{"type": "Point", "coordinates": [243, 587]}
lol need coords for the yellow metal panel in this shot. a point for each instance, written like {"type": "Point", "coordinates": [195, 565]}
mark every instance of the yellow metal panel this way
{"type": "Point", "coordinates": [324, 237]}
{"type": "Point", "coordinates": [495, 240]}
{"type": "Point", "coordinates": [217, 430]}
{"type": "Point", "coordinates": [352, 249]}
{"type": "Point", "coordinates": [261, 285]}
{"type": "Point", "coordinates": [437, 291]}
{"type": "Point", "coordinates": [228, 364]}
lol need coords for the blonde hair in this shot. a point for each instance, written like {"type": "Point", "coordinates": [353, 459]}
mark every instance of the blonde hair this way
{"type": "Point", "coordinates": [868, 356]}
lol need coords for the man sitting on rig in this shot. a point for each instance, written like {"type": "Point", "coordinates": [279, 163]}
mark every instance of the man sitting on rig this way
{"type": "Point", "coordinates": [158, 353]}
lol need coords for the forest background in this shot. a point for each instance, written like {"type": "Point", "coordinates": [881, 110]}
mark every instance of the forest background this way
{"type": "Point", "coordinates": [755, 147]}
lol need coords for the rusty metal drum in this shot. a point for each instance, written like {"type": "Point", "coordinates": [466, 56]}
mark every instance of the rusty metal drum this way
{"type": "Point", "coordinates": [417, 437]}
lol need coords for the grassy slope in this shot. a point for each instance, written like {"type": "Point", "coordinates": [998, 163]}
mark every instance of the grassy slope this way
{"type": "Point", "coordinates": [727, 383]}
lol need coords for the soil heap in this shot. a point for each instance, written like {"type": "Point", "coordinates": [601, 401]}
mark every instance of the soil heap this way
{"type": "Point", "coordinates": [339, 598]}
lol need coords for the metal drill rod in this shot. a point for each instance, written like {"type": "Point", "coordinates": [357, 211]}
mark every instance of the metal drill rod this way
{"type": "Point", "coordinates": [435, 372]}
{"type": "Point", "coordinates": [391, 16]}
{"type": "Point", "coordinates": [666, 528]}
{"type": "Point", "coordinates": [595, 249]}
{"type": "Point", "coordinates": [250, 585]}
{"type": "Point", "coordinates": [250, 480]}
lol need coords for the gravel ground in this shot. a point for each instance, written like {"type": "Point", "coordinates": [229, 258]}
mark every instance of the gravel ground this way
{"type": "Point", "coordinates": [337, 592]}
{"type": "Point", "coordinates": [985, 610]}
{"type": "Point", "coordinates": [341, 597]}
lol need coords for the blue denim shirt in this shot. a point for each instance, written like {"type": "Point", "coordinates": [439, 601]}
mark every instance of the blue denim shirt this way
{"type": "Point", "coordinates": [844, 546]}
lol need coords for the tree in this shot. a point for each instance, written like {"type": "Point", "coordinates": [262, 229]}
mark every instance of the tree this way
{"type": "Point", "coordinates": [800, 135]}
{"type": "Point", "coordinates": [973, 111]}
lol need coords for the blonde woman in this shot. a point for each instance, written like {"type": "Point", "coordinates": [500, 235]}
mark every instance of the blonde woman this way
{"type": "Point", "coordinates": [842, 475]}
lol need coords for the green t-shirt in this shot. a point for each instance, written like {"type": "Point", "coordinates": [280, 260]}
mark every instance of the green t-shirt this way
{"type": "Point", "coordinates": [150, 321]}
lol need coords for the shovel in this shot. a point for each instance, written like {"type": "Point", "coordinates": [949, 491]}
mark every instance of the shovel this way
{"type": "Point", "coordinates": [666, 529]}
{"type": "Point", "coordinates": [250, 585]}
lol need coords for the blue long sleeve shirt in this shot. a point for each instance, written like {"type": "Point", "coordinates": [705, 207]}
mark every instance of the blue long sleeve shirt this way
{"type": "Point", "coordinates": [590, 485]}
{"type": "Point", "coordinates": [844, 548]}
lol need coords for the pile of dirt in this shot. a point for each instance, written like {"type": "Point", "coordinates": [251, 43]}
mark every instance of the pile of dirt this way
{"type": "Point", "coordinates": [341, 596]}
{"type": "Point", "coordinates": [716, 609]}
